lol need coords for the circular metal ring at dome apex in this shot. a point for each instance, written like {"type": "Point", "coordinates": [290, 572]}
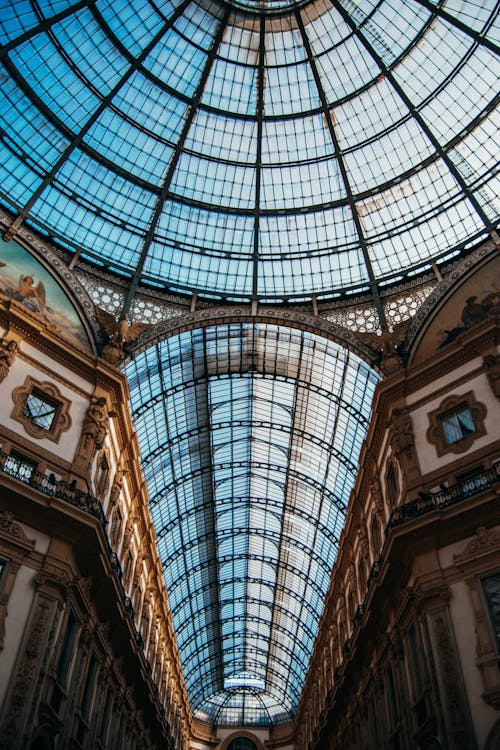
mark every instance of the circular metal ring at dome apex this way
{"type": "Point", "coordinates": [266, 6]}
{"type": "Point", "coordinates": [325, 148]}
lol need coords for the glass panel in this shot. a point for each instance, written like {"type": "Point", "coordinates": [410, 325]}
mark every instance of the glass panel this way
{"type": "Point", "coordinates": [458, 425]}
{"type": "Point", "coordinates": [275, 157]}
{"type": "Point", "coordinates": [249, 438]}
{"type": "Point", "coordinates": [39, 410]}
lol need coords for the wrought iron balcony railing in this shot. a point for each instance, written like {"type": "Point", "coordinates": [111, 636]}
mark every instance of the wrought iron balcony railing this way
{"type": "Point", "coordinates": [25, 471]}
{"type": "Point", "coordinates": [428, 501]}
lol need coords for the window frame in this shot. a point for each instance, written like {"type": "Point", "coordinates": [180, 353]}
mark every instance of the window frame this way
{"type": "Point", "coordinates": [453, 404]}
{"type": "Point", "coordinates": [52, 395]}
{"type": "Point", "coordinates": [494, 637]}
{"type": "Point", "coordinates": [23, 461]}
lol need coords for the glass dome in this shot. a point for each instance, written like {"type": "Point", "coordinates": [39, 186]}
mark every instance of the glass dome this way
{"type": "Point", "coordinates": [252, 149]}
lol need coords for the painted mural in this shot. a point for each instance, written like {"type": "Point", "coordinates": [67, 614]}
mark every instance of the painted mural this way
{"type": "Point", "coordinates": [476, 300]}
{"type": "Point", "coordinates": [25, 280]}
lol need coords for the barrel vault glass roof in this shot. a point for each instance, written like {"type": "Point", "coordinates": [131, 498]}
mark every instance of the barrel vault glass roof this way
{"type": "Point", "coordinates": [249, 437]}
{"type": "Point", "coordinates": [244, 150]}
{"type": "Point", "coordinates": [264, 149]}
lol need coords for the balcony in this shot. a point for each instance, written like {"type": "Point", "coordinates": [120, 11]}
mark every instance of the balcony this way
{"type": "Point", "coordinates": [474, 484]}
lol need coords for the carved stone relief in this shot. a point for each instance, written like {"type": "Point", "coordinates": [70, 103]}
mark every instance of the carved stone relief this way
{"type": "Point", "coordinates": [19, 701]}
{"type": "Point", "coordinates": [455, 705]}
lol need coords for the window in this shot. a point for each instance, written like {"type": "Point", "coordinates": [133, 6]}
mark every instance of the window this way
{"type": "Point", "coordinates": [116, 526]}
{"type": "Point", "coordinates": [105, 717]}
{"type": "Point", "coordinates": [242, 743]}
{"type": "Point", "coordinates": [392, 708]}
{"type": "Point", "coordinates": [391, 483]}
{"type": "Point", "coordinates": [376, 538]}
{"type": "Point", "coordinates": [491, 588]}
{"type": "Point", "coordinates": [456, 423]}
{"type": "Point", "coordinates": [42, 409]}
{"type": "Point", "coordinates": [19, 466]}
{"type": "Point", "coordinates": [62, 672]}
{"type": "Point", "coordinates": [416, 677]}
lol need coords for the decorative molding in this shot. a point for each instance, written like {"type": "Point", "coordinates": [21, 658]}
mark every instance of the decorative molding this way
{"type": "Point", "coordinates": [483, 542]}
{"type": "Point", "coordinates": [8, 351]}
{"type": "Point", "coordinates": [9, 527]}
{"type": "Point", "coordinates": [459, 269]}
{"type": "Point", "coordinates": [435, 432]}
{"type": "Point", "coordinates": [62, 420]}
{"type": "Point", "coordinates": [54, 261]}
{"type": "Point", "coordinates": [454, 701]}
{"type": "Point", "coordinates": [293, 318]}
{"type": "Point", "coordinates": [401, 436]}
{"type": "Point", "coordinates": [53, 580]}
{"type": "Point", "coordinates": [28, 668]}
{"type": "Point", "coordinates": [491, 364]}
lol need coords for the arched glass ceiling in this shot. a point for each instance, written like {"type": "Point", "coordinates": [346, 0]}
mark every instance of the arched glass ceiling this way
{"type": "Point", "coordinates": [249, 438]}
{"type": "Point", "coordinates": [279, 150]}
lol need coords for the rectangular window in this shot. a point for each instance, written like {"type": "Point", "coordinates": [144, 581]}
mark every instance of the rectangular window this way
{"type": "Point", "coordinates": [40, 409]}
{"type": "Point", "coordinates": [19, 466]}
{"type": "Point", "coordinates": [89, 688]}
{"type": "Point", "coordinates": [105, 716]}
{"type": "Point", "coordinates": [415, 668]}
{"type": "Point", "coordinates": [392, 708]}
{"type": "Point", "coordinates": [116, 526]}
{"type": "Point", "coordinates": [63, 665]}
{"type": "Point", "coordinates": [491, 587]}
{"type": "Point", "coordinates": [457, 424]}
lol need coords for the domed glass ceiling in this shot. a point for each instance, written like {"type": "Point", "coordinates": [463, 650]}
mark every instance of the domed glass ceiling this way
{"type": "Point", "coordinates": [250, 436]}
{"type": "Point", "coordinates": [252, 149]}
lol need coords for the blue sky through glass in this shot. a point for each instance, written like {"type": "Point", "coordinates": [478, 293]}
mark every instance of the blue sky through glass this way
{"type": "Point", "coordinates": [329, 147]}
{"type": "Point", "coordinates": [249, 438]}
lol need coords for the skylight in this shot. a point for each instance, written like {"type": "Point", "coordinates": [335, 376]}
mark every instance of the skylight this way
{"type": "Point", "coordinates": [249, 437]}
{"type": "Point", "coordinates": [274, 152]}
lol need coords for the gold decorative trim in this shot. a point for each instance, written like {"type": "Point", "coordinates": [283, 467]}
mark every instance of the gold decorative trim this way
{"type": "Point", "coordinates": [62, 419]}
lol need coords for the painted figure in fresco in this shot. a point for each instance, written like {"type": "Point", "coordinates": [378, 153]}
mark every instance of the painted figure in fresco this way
{"type": "Point", "coordinates": [27, 291]}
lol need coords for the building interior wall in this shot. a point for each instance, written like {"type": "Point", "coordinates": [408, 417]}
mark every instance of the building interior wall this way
{"type": "Point", "coordinates": [408, 650]}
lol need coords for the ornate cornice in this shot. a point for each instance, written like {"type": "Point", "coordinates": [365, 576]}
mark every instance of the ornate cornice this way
{"type": "Point", "coordinates": [12, 531]}
{"type": "Point", "coordinates": [484, 542]}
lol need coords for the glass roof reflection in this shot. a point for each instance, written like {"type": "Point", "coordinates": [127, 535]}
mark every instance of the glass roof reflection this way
{"type": "Point", "coordinates": [249, 438]}
{"type": "Point", "coordinates": [275, 150]}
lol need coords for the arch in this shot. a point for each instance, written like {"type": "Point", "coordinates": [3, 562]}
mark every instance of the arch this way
{"type": "Point", "coordinates": [244, 734]}
{"type": "Point", "coordinates": [45, 256]}
{"type": "Point", "coordinates": [445, 292]}
{"type": "Point", "coordinates": [297, 319]}
{"type": "Point", "coordinates": [250, 432]}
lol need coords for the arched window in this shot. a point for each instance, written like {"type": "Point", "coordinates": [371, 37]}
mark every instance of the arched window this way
{"type": "Point", "coordinates": [242, 743]}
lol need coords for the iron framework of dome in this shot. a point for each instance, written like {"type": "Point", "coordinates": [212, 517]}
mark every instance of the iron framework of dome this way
{"type": "Point", "coordinates": [249, 435]}
{"type": "Point", "coordinates": [250, 150]}
{"type": "Point", "coordinates": [261, 149]}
